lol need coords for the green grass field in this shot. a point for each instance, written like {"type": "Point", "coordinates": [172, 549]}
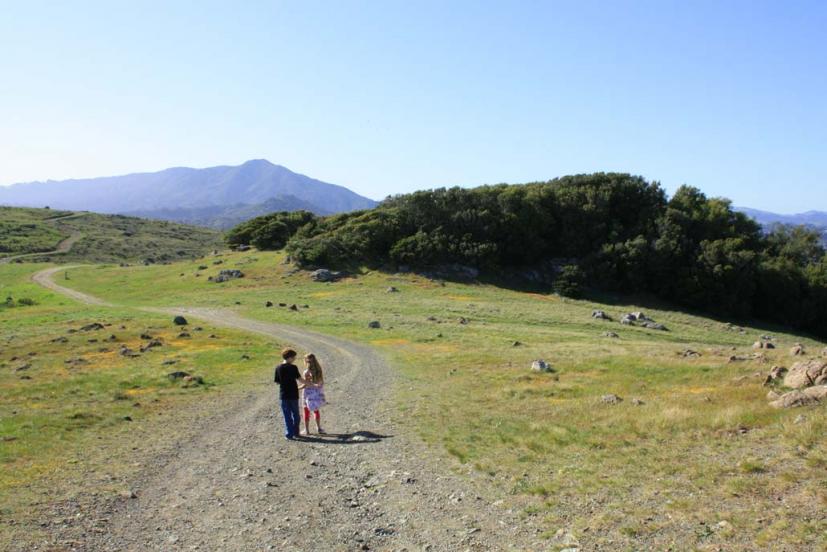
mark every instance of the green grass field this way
{"type": "Point", "coordinates": [102, 238]}
{"type": "Point", "coordinates": [75, 415]}
{"type": "Point", "coordinates": [693, 455]}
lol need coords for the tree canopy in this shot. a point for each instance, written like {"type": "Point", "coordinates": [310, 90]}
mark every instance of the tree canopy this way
{"type": "Point", "coordinates": [607, 231]}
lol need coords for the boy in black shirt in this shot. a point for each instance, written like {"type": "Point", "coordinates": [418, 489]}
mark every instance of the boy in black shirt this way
{"type": "Point", "coordinates": [288, 378]}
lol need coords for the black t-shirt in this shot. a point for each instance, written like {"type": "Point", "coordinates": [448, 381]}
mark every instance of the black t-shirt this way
{"type": "Point", "coordinates": [287, 376]}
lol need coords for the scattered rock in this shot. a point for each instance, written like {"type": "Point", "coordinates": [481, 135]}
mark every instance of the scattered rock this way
{"type": "Point", "coordinates": [637, 402]}
{"type": "Point", "coordinates": [627, 320]}
{"type": "Point", "coordinates": [611, 335]}
{"type": "Point", "coordinates": [800, 419]}
{"type": "Point", "coordinates": [374, 324]}
{"type": "Point", "coordinates": [61, 339]}
{"type": "Point", "coordinates": [775, 375]}
{"type": "Point", "coordinates": [228, 274]}
{"type": "Point", "coordinates": [294, 307]}
{"type": "Point", "coordinates": [183, 335]}
{"type": "Point", "coordinates": [600, 315]}
{"type": "Point", "coordinates": [516, 344]}
{"type": "Point", "coordinates": [541, 366]}
{"type": "Point", "coordinates": [655, 326]}
{"type": "Point", "coordinates": [127, 352]}
{"type": "Point", "coordinates": [23, 367]}
{"type": "Point", "coordinates": [169, 362]}
{"type": "Point", "coordinates": [824, 352]}
{"type": "Point", "coordinates": [180, 321]}
{"type": "Point", "coordinates": [797, 350]}
{"type": "Point", "coordinates": [462, 320]}
{"type": "Point", "coordinates": [325, 275]}
{"type": "Point", "coordinates": [245, 357]}
{"type": "Point", "coordinates": [811, 395]}
{"type": "Point", "coordinates": [94, 326]}
{"type": "Point", "coordinates": [806, 373]}
{"type": "Point", "coordinates": [146, 336]}
{"type": "Point", "coordinates": [152, 344]}
{"type": "Point", "coordinates": [392, 290]}
{"type": "Point", "coordinates": [178, 375]}
{"type": "Point", "coordinates": [611, 398]}
{"type": "Point", "coordinates": [268, 304]}
{"type": "Point", "coordinates": [689, 353]}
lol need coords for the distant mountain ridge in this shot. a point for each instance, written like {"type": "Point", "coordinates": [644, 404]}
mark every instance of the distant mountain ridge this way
{"type": "Point", "coordinates": [811, 218]}
{"type": "Point", "coordinates": [224, 218]}
{"type": "Point", "coordinates": [181, 192]}
{"type": "Point", "coordinates": [817, 220]}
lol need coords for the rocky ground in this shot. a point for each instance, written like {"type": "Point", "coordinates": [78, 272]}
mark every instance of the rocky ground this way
{"type": "Point", "coordinates": [235, 483]}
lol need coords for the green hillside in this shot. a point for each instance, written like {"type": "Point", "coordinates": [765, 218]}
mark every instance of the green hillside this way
{"type": "Point", "coordinates": [67, 236]}
{"type": "Point", "coordinates": [694, 441]}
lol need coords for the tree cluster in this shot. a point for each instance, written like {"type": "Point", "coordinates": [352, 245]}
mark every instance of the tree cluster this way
{"type": "Point", "coordinates": [620, 232]}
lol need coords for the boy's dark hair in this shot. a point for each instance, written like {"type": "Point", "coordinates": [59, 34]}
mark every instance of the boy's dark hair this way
{"type": "Point", "coordinates": [288, 353]}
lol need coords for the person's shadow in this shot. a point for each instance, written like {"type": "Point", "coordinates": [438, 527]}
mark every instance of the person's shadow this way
{"type": "Point", "coordinates": [356, 438]}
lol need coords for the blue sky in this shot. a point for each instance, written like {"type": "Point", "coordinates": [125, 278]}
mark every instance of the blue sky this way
{"type": "Point", "coordinates": [387, 97]}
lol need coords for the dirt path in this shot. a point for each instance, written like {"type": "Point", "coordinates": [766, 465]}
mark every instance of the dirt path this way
{"type": "Point", "coordinates": [237, 484]}
{"type": "Point", "coordinates": [63, 247]}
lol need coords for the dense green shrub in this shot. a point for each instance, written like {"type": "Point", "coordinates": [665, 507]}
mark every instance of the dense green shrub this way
{"type": "Point", "coordinates": [270, 231]}
{"type": "Point", "coordinates": [614, 231]}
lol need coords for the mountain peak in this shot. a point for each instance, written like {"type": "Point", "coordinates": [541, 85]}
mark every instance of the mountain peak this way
{"type": "Point", "coordinates": [251, 183]}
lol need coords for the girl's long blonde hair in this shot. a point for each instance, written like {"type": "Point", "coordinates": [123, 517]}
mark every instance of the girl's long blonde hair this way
{"type": "Point", "coordinates": [315, 369]}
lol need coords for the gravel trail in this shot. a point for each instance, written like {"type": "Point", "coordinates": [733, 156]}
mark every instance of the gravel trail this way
{"type": "Point", "coordinates": [237, 484]}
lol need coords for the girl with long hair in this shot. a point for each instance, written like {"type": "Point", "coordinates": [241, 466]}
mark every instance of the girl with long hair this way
{"type": "Point", "coordinates": [314, 397]}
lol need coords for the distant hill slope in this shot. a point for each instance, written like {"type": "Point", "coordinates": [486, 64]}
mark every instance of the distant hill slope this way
{"type": "Point", "coordinates": [224, 218]}
{"type": "Point", "coordinates": [252, 183]}
{"type": "Point", "coordinates": [816, 220]}
{"type": "Point", "coordinates": [37, 234]}
{"type": "Point", "coordinates": [813, 218]}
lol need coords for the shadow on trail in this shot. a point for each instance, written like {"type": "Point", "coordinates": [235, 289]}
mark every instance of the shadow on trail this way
{"type": "Point", "coordinates": [357, 438]}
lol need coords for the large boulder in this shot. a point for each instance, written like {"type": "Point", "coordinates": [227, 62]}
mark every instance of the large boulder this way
{"type": "Point", "coordinates": [627, 320]}
{"type": "Point", "coordinates": [179, 321]}
{"type": "Point", "coordinates": [811, 395]}
{"type": "Point", "coordinates": [806, 373]}
{"type": "Point", "coordinates": [600, 315]}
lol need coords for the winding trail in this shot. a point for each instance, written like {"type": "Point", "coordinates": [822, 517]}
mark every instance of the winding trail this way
{"type": "Point", "coordinates": [64, 246]}
{"type": "Point", "coordinates": [237, 484]}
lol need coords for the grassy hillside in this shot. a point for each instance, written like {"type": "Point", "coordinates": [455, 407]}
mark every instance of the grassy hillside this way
{"type": "Point", "coordinates": [691, 458]}
{"type": "Point", "coordinates": [25, 231]}
{"type": "Point", "coordinates": [91, 237]}
{"type": "Point", "coordinates": [77, 418]}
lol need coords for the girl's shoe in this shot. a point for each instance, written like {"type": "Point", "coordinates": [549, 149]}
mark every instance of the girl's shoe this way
{"type": "Point", "coordinates": [320, 430]}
